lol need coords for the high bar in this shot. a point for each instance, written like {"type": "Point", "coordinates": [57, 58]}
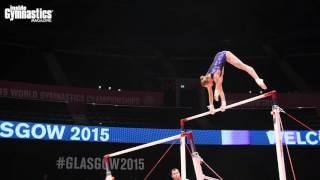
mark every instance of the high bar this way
{"type": "Point", "coordinates": [268, 94]}
{"type": "Point", "coordinates": [147, 145]}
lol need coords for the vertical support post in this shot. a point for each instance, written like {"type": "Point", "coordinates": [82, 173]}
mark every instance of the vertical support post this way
{"type": "Point", "coordinates": [196, 159]}
{"type": "Point", "coordinates": [278, 137]}
{"type": "Point", "coordinates": [183, 151]}
{"type": "Point", "coordinates": [108, 171]}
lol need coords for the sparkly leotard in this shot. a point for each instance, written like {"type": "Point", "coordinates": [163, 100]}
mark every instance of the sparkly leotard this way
{"type": "Point", "coordinates": [218, 62]}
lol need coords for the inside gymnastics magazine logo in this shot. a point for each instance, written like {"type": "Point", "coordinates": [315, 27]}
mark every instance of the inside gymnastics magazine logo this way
{"type": "Point", "coordinates": [21, 12]}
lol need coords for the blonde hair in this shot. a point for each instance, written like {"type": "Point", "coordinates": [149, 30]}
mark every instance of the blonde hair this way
{"type": "Point", "coordinates": [204, 80]}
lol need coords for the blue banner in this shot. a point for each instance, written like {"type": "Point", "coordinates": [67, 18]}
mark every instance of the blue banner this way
{"type": "Point", "coordinates": [80, 133]}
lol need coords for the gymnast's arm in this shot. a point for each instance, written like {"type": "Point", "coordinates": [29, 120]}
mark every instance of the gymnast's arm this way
{"type": "Point", "coordinates": [210, 96]}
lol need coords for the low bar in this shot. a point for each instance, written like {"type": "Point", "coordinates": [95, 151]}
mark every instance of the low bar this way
{"type": "Point", "coordinates": [145, 145]}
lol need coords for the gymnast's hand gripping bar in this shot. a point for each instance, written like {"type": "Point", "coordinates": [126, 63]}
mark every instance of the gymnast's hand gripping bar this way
{"type": "Point", "coordinates": [268, 94]}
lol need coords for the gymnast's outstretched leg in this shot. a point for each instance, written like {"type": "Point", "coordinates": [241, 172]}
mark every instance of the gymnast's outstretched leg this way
{"type": "Point", "coordinates": [235, 61]}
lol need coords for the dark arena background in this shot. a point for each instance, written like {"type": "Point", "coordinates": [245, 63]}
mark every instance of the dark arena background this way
{"type": "Point", "coordinates": [83, 79]}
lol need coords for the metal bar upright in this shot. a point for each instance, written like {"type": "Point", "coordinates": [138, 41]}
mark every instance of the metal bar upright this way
{"type": "Point", "coordinates": [278, 137]}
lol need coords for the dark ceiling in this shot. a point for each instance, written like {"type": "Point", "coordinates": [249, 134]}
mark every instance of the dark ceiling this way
{"type": "Point", "coordinates": [142, 44]}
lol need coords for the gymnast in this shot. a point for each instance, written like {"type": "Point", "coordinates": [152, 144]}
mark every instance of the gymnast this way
{"type": "Point", "coordinates": [214, 76]}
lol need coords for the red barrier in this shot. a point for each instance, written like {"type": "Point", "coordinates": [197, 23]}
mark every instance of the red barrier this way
{"type": "Point", "coordinates": [30, 91]}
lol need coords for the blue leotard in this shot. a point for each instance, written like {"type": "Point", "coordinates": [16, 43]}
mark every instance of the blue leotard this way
{"type": "Point", "coordinates": [218, 62]}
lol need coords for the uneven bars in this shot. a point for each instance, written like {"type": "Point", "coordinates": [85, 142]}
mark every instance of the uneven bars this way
{"type": "Point", "coordinates": [146, 145]}
{"type": "Point", "coordinates": [231, 105]}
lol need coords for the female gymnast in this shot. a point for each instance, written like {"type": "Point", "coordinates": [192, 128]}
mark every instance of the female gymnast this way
{"type": "Point", "coordinates": [214, 76]}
